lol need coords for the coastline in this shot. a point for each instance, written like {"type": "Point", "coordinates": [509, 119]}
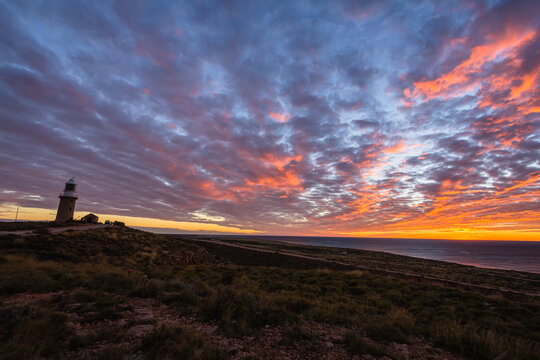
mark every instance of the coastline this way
{"type": "Point", "coordinates": [379, 261]}
{"type": "Point", "coordinates": [521, 256]}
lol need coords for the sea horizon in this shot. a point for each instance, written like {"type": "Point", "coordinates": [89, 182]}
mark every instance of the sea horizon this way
{"type": "Point", "coordinates": [511, 255]}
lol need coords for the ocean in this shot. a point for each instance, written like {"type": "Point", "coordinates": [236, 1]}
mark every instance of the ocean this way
{"type": "Point", "coordinates": [508, 255]}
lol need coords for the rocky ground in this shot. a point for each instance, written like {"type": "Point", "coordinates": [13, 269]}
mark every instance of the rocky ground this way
{"type": "Point", "coordinates": [138, 317]}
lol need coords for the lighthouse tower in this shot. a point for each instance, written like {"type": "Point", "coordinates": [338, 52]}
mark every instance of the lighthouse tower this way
{"type": "Point", "coordinates": [66, 207]}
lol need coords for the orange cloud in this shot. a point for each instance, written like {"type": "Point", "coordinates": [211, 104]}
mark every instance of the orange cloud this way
{"type": "Point", "coordinates": [534, 179]}
{"type": "Point", "coordinates": [458, 211]}
{"type": "Point", "coordinates": [527, 83]}
{"type": "Point", "coordinates": [397, 148]}
{"type": "Point", "coordinates": [279, 162]}
{"type": "Point", "coordinates": [460, 79]}
{"type": "Point", "coordinates": [279, 177]}
{"type": "Point", "coordinates": [279, 117]}
{"type": "Point", "coordinates": [285, 180]}
{"type": "Point", "coordinates": [272, 172]}
{"type": "Point", "coordinates": [529, 110]}
{"type": "Point", "coordinates": [507, 130]}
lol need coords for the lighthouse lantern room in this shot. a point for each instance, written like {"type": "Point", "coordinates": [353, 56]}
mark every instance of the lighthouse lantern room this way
{"type": "Point", "coordinates": [66, 207]}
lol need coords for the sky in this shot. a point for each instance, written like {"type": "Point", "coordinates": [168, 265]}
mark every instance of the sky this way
{"type": "Point", "coordinates": [415, 119]}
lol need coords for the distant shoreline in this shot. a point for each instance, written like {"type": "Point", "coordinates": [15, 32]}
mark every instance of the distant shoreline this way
{"type": "Point", "coordinates": [279, 258]}
{"type": "Point", "coordinates": [523, 256]}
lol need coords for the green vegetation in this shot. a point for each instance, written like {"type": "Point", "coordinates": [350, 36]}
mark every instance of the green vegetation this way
{"type": "Point", "coordinates": [29, 332]}
{"type": "Point", "coordinates": [92, 278]}
{"type": "Point", "coordinates": [513, 280]}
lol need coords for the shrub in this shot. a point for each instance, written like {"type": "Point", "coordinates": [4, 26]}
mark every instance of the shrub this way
{"type": "Point", "coordinates": [386, 331]}
{"type": "Point", "coordinates": [144, 289]}
{"type": "Point", "coordinates": [481, 344]}
{"type": "Point", "coordinates": [296, 332]}
{"type": "Point", "coordinates": [357, 344]}
{"type": "Point", "coordinates": [29, 332]}
{"type": "Point", "coordinates": [182, 298]}
{"type": "Point", "coordinates": [179, 343]}
{"type": "Point", "coordinates": [108, 281]}
{"type": "Point", "coordinates": [27, 281]}
{"type": "Point", "coordinates": [234, 310]}
{"type": "Point", "coordinates": [297, 304]}
{"type": "Point", "coordinates": [394, 326]}
{"type": "Point", "coordinates": [42, 231]}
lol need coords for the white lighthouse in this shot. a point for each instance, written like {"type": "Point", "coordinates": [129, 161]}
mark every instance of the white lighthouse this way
{"type": "Point", "coordinates": [66, 207]}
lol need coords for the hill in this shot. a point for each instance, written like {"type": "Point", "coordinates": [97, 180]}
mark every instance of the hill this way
{"type": "Point", "coordinates": [122, 293]}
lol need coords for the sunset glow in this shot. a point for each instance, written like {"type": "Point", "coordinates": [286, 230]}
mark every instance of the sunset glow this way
{"type": "Point", "coordinates": [376, 119]}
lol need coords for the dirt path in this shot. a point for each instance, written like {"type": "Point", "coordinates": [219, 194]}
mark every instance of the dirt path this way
{"type": "Point", "coordinates": [418, 276]}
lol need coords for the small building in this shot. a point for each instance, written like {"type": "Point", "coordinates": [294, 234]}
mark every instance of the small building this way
{"type": "Point", "coordinates": [90, 219]}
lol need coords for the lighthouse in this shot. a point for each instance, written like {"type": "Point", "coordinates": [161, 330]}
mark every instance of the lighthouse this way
{"type": "Point", "coordinates": [66, 207]}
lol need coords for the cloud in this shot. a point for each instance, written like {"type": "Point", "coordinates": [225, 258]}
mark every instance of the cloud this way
{"type": "Point", "coordinates": [279, 117]}
{"type": "Point", "coordinates": [282, 118]}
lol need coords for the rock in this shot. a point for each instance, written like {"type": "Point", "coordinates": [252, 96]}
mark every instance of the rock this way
{"type": "Point", "coordinates": [336, 338]}
{"type": "Point", "coordinates": [145, 316]}
{"type": "Point", "coordinates": [234, 350]}
{"type": "Point", "coordinates": [211, 330]}
{"type": "Point", "coordinates": [73, 306]}
{"type": "Point", "coordinates": [91, 314]}
{"type": "Point", "coordinates": [329, 344]}
{"type": "Point", "coordinates": [140, 330]}
{"type": "Point", "coordinates": [367, 357]}
{"type": "Point", "coordinates": [401, 347]}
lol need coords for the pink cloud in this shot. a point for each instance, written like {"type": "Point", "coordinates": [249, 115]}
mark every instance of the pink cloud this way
{"type": "Point", "coordinates": [279, 117]}
{"type": "Point", "coordinates": [464, 76]}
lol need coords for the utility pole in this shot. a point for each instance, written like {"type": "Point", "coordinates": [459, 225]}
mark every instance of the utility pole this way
{"type": "Point", "coordinates": [17, 214]}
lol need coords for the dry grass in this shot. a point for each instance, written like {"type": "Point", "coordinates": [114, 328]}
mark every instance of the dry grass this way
{"type": "Point", "coordinates": [242, 299]}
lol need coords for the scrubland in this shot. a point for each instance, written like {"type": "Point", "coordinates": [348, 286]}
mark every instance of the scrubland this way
{"type": "Point", "coordinates": [122, 293]}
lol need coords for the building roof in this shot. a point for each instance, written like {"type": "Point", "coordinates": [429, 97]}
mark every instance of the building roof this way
{"type": "Point", "coordinates": [89, 215]}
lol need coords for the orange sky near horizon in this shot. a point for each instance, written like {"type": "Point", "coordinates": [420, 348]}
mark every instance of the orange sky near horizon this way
{"type": "Point", "coordinates": [7, 212]}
